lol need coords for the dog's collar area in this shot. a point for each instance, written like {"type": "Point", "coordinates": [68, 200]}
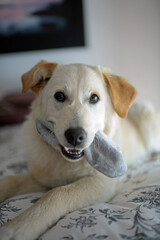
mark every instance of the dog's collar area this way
{"type": "Point", "coordinates": [73, 154]}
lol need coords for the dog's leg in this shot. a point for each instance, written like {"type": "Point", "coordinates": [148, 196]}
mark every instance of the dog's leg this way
{"type": "Point", "coordinates": [15, 185]}
{"type": "Point", "coordinates": [55, 204]}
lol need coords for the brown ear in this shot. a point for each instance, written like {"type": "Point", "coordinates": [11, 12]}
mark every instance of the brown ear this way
{"type": "Point", "coordinates": [36, 78]}
{"type": "Point", "coordinates": [122, 93]}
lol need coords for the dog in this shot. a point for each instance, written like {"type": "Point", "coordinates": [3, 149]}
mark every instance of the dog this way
{"type": "Point", "coordinates": [80, 100]}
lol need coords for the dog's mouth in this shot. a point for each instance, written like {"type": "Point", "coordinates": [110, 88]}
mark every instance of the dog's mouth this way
{"type": "Point", "coordinates": [72, 153]}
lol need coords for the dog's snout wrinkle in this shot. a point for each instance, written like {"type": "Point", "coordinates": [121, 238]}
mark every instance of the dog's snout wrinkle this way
{"type": "Point", "coordinates": [75, 136]}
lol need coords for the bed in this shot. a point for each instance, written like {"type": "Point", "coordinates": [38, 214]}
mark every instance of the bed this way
{"type": "Point", "coordinates": [134, 213]}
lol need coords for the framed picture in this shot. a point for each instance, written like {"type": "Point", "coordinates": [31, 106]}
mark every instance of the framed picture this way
{"type": "Point", "coordinates": [27, 25]}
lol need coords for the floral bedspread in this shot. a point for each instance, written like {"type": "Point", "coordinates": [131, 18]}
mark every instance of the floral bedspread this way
{"type": "Point", "coordinates": [133, 214]}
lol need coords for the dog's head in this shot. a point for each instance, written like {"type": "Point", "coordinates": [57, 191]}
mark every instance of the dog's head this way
{"type": "Point", "coordinates": [80, 100]}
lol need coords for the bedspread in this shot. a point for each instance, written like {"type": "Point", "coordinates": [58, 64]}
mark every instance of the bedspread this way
{"type": "Point", "coordinates": [134, 213]}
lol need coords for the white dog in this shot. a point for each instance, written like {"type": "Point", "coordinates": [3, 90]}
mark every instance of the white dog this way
{"type": "Point", "coordinates": [80, 100]}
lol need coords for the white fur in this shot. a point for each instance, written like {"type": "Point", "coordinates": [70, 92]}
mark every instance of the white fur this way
{"type": "Point", "coordinates": [74, 184]}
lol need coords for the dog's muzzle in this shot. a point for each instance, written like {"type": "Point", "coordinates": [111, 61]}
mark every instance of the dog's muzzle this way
{"type": "Point", "coordinates": [103, 154]}
{"type": "Point", "coordinates": [75, 137]}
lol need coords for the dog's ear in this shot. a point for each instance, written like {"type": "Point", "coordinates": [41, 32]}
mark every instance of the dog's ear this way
{"type": "Point", "coordinates": [122, 93]}
{"type": "Point", "coordinates": [37, 77]}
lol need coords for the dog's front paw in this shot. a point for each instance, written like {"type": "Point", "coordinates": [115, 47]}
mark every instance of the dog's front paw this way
{"type": "Point", "coordinates": [7, 233]}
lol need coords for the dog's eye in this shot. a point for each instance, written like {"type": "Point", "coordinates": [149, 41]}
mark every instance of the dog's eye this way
{"type": "Point", "coordinates": [94, 98]}
{"type": "Point", "coordinates": [59, 96]}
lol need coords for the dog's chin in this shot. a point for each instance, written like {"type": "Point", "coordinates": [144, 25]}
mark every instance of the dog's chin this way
{"type": "Point", "coordinates": [72, 154]}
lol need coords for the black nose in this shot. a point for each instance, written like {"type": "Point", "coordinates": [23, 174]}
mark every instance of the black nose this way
{"type": "Point", "coordinates": [75, 136]}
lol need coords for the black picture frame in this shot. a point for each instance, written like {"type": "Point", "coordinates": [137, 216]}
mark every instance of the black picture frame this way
{"type": "Point", "coordinates": [46, 24]}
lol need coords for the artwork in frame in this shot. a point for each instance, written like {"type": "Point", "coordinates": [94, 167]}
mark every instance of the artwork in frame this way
{"type": "Point", "coordinates": [27, 25]}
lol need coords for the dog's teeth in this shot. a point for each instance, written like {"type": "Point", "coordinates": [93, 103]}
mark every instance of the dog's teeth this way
{"type": "Point", "coordinates": [72, 151]}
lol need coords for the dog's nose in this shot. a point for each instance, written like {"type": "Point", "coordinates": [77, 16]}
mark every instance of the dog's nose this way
{"type": "Point", "coordinates": [75, 136]}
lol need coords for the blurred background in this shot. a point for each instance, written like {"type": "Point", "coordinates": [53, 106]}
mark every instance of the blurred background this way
{"type": "Point", "coordinates": [123, 35]}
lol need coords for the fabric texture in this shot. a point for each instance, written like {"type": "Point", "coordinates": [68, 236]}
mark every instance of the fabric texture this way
{"type": "Point", "coordinates": [133, 214]}
{"type": "Point", "coordinates": [105, 156]}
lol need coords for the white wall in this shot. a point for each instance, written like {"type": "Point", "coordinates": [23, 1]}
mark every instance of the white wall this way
{"type": "Point", "coordinates": [121, 34]}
